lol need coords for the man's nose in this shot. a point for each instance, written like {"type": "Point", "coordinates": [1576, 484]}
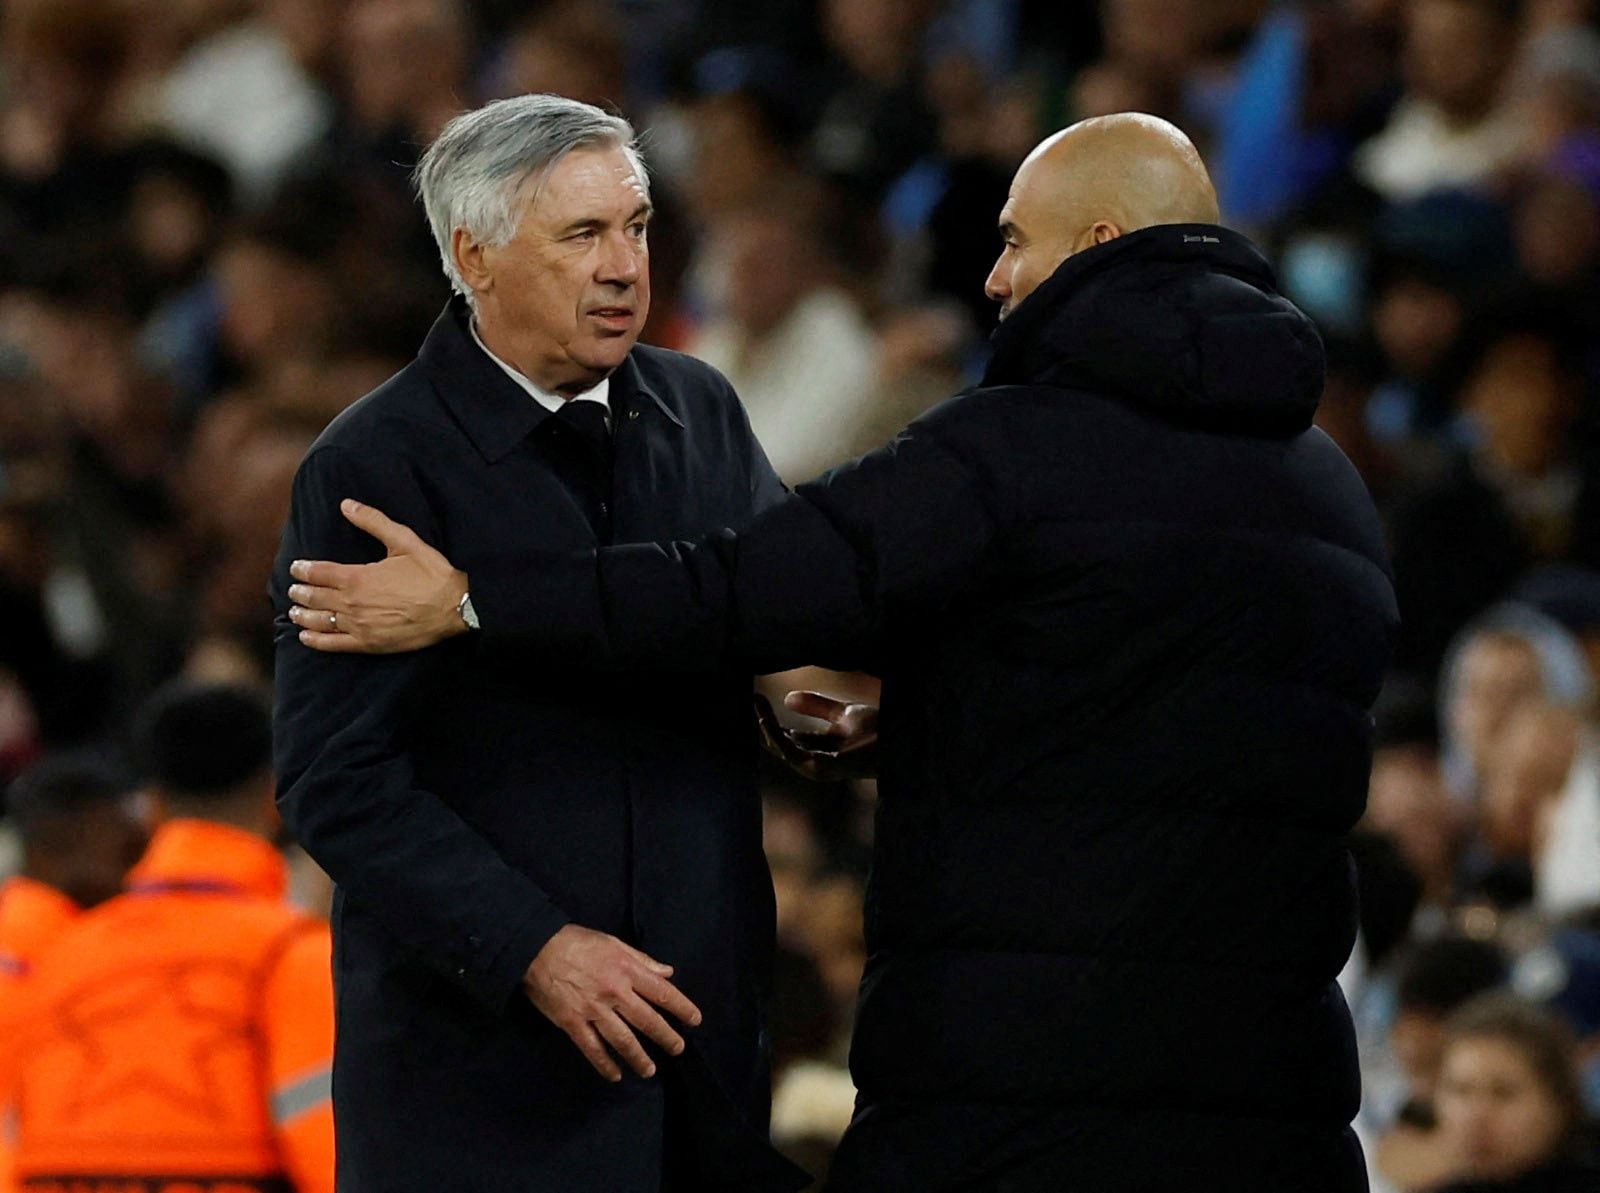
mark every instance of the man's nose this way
{"type": "Point", "coordinates": [996, 286]}
{"type": "Point", "coordinates": [622, 261]}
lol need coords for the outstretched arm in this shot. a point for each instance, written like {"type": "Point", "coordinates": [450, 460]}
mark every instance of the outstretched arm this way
{"type": "Point", "coordinates": [900, 531]}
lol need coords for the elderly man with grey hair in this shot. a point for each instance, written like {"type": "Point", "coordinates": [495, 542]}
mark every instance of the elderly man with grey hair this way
{"type": "Point", "coordinates": [554, 922]}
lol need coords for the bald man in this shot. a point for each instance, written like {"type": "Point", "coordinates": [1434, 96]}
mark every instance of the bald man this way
{"type": "Point", "coordinates": [1130, 611]}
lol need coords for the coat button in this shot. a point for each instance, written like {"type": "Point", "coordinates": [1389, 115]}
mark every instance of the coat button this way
{"type": "Point", "coordinates": [633, 413]}
{"type": "Point", "coordinates": [605, 510]}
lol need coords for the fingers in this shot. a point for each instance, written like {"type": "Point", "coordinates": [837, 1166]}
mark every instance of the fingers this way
{"type": "Point", "coordinates": [815, 704]}
{"type": "Point", "coordinates": [397, 538]}
{"type": "Point", "coordinates": [311, 619]}
{"type": "Point", "coordinates": [589, 1043]}
{"type": "Point", "coordinates": [625, 1044]}
{"type": "Point", "coordinates": [312, 596]}
{"type": "Point", "coordinates": [330, 643]}
{"type": "Point", "coordinates": [649, 962]}
{"type": "Point", "coordinates": [324, 574]}
{"type": "Point", "coordinates": [669, 998]}
{"type": "Point", "coordinates": [774, 738]}
{"type": "Point", "coordinates": [643, 1016]}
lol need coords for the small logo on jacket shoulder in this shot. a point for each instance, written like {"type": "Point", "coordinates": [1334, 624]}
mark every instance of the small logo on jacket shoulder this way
{"type": "Point", "coordinates": [1202, 240]}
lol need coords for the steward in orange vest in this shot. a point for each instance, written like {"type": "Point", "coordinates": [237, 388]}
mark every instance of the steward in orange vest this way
{"type": "Point", "coordinates": [80, 829]}
{"type": "Point", "coordinates": [179, 1039]}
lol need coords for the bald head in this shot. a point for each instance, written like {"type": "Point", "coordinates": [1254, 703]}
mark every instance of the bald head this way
{"type": "Point", "coordinates": [1090, 183]}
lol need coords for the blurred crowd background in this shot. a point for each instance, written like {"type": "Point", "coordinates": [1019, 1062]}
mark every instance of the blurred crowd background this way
{"type": "Point", "coordinates": [208, 247]}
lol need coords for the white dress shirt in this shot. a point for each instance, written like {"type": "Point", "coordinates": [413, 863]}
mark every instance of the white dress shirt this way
{"type": "Point", "coordinates": [552, 402]}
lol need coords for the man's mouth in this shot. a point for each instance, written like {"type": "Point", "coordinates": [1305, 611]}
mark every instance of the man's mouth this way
{"type": "Point", "coordinates": [614, 318]}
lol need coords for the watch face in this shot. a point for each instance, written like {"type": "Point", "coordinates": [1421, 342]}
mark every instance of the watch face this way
{"type": "Point", "coordinates": [468, 613]}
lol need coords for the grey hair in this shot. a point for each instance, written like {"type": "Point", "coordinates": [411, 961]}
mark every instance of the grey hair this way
{"type": "Point", "coordinates": [477, 168]}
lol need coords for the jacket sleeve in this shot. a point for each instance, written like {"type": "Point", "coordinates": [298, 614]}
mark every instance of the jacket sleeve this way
{"type": "Point", "coordinates": [297, 1031]}
{"type": "Point", "coordinates": [900, 533]}
{"type": "Point", "coordinates": [345, 779]}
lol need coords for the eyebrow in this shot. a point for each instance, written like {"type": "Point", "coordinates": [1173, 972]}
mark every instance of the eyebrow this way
{"type": "Point", "coordinates": [643, 211]}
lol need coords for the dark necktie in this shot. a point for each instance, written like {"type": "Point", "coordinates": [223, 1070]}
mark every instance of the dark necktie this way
{"type": "Point", "coordinates": [588, 419]}
{"type": "Point", "coordinates": [589, 452]}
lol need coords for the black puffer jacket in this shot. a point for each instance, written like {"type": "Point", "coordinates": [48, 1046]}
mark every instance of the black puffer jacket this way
{"type": "Point", "coordinates": [1130, 611]}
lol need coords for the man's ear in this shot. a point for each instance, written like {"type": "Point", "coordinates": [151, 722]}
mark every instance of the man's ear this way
{"type": "Point", "coordinates": [1103, 232]}
{"type": "Point", "coordinates": [471, 260]}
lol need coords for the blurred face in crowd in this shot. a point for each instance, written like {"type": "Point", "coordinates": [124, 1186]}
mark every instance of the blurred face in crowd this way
{"type": "Point", "coordinates": [274, 303]}
{"type": "Point", "coordinates": [1495, 1113]}
{"type": "Point", "coordinates": [400, 55]}
{"type": "Point", "coordinates": [1407, 803]}
{"type": "Point", "coordinates": [1416, 323]}
{"type": "Point", "coordinates": [1558, 232]}
{"type": "Point", "coordinates": [572, 48]}
{"type": "Point", "coordinates": [876, 37]}
{"type": "Point", "coordinates": [307, 27]}
{"type": "Point", "coordinates": [564, 299]}
{"type": "Point", "coordinates": [736, 159]}
{"type": "Point", "coordinates": [769, 265]}
{"type": "Point", "coordinates": [90, 861]}
{"type": "Point", "coordinates": [1523, 404]}
{"type": "Point", "coordinates": [1456, 54]}
{"type": "Point", "coordinates": [1528, 771]}
{"type": "Point", "coordinates": [1417, 1040]}
{"type": "Point", "coordinates": [1497, 672]}
{"type": "Point", "coordinates": [171, 226]}
{"type": "Point", "coordinates": [1152, 33]}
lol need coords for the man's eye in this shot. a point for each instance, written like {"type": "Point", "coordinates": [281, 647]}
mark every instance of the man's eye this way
{"type": "Point", "coordinates": [637, 231]}
{"type": "Point", "coordinates": [585, 235]}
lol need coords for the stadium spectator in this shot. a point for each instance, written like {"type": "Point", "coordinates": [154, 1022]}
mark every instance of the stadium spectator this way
{"type": "Point", "coordinates": [254, 94]}
{"type": "Point", "coordinates": [1509, 1104]}
{"type": "Point", "coordinates": [1454, 127]}
{"type": "Point", "coordinates": [1435, 979]}
{"type": "Point", "coordinates": [81, 829]}
{"type": "Point", "coordinates": [1509, 655]}
{"type": "Point", "coordinates": [791, 341]}
{"type": "Point", "coordinates": [180, 1034]}
{"type": "Point", "coordinates": [1406, 798]}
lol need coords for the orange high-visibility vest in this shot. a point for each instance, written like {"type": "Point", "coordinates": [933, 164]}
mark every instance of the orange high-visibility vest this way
{"type": "Point", "coordinates": [180, 1036]}
{"type": "Point", "coordinates": [32, 917]}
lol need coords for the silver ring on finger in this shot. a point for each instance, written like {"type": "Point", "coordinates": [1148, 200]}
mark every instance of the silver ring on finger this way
{"type": "Point", "coordinates": [333, 622]}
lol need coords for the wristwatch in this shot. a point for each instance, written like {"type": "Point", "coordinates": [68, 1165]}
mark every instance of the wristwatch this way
{"type": "Point", "coordinates": [469, 615]}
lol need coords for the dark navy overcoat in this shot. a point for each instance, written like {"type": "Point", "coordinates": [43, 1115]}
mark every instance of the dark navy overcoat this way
{"type": "Point", "coordinates": [471, 799]}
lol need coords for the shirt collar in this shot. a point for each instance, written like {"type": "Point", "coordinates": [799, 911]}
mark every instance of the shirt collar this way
{"type": "Point", "coordinates": [490, 407]}
{"type": "Point", "coordinates": [204, 854]}
{"type": "Point", "coordinates": [552, 402]}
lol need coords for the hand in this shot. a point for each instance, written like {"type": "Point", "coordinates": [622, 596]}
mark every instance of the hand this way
{"type": "Point", "coordinates": [599, 990]}
{"type": "Point", "coordinates": [407, 601]}
{"type": "Point", "coordinates": [843, 751]}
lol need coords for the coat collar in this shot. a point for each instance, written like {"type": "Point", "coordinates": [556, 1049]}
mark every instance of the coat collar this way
{"type": "Point", "coordinates": [493, 410]}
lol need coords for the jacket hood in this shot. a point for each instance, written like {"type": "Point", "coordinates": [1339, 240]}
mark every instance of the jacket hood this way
{"type": "Point", "coordinates": [1182, 320]}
